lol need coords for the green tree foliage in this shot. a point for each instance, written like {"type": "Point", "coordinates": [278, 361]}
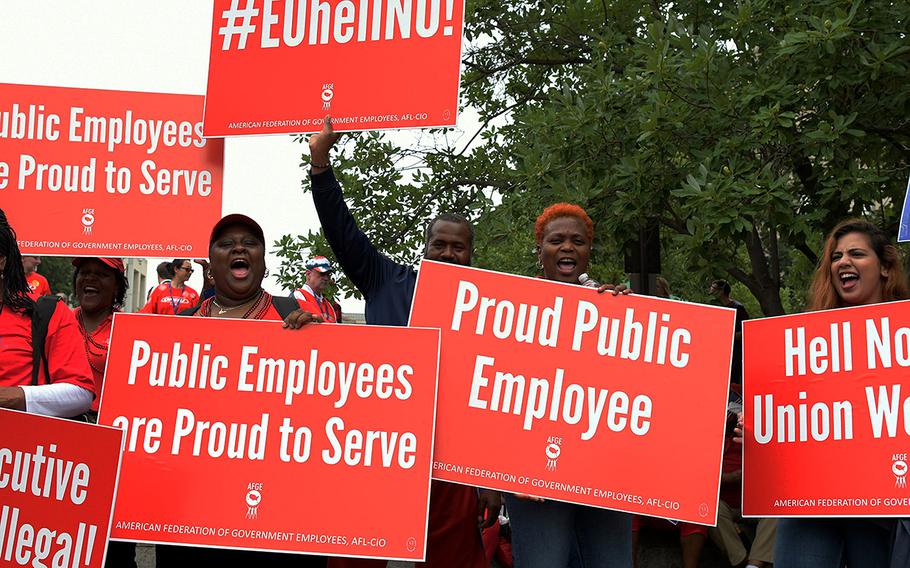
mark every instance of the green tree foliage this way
{"type": "Point", "coordinates": [747, 129]}
{"type": "Point", "coordinates": [59, 273]}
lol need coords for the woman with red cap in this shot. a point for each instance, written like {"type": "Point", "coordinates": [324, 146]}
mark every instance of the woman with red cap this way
{"type": "Point", "coordinates": [237, 268]}
{"type": "Point", "coordinates": [100, 285]}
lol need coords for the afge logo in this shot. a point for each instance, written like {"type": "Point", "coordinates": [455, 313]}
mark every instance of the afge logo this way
{"type": "Point", "coordinates": [88, 219]}
{"type": "Point", "coordinates": [328, 92]}
{"type": "Point", "coordinates": [253, 498]}
{"type": "Point", "coordinates": [899, 469]}
{"type": "Point", "coordinates": [553, 451]}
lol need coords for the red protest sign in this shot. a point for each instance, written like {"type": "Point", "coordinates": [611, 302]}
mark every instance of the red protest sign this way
{"type": "Point", "coordinates": [280, 66]}
{"type": "Point", "coordinates": [241, 434]}
{"type": "Point", "coordinates": [86, 172]}
{"type": "Point", "coordinates": [556, 391]}
{"type": "Point", "coordinates": [826, 413]}
{"type": "Point", "coordinates": [57, 484]}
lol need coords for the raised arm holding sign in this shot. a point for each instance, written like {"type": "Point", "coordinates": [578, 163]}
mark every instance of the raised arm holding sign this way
{"type": "Point", "coordinates": [388, 288]}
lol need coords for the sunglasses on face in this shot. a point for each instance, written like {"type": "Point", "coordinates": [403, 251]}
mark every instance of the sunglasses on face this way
{"type": "Point", "coordinates": [187, 268]}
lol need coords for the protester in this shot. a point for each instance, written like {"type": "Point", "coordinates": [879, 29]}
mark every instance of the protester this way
{"type": "Point", "coordinates": [547, 534]}
{"type": "Point", "coordinates": [721, 289]}
{"type": "Point", "coordinates": [57, 382]}
{"type": "Point", "coordinates": [100, 285]}
{"type": "Point", "coordinates": [857, 267]}
{"type": "Point", "coordinates": [453, 537]}
{"type": "Point", "coordinates": [37, 283]}
{"type": "Point", "coordinates": [163, 270]}
{"type": "Point", "coordinates": [237, 266]}
{"type": "Point", "coordinates": [173, 296]}
{"type": "Point", "coordinates": [312, 296]}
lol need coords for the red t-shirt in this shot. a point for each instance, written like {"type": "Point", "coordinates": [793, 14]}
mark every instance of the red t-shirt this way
{"type": "Point", "coordinates": [64, 349]}
{"type": "Point", "coordinates": [96, 345]}
{"type": "Point", "coordinates": [170, 301]}
{"type": "Point", "coordinates": [38, 285]}
{"type": "Point", "coordinates": [310, 303]}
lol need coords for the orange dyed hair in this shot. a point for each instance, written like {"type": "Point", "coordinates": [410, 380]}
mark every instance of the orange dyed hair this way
{"type": "Point", "coordinates": [823, 294]}
{"type": "Point", "coordinates": [558, 210]}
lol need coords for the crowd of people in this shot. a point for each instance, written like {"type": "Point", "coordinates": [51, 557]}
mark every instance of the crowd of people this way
{"type": "Point", "coordinates": [53, 361]}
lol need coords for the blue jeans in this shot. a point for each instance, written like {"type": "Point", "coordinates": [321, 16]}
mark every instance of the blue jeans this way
{"type": "Point", "coordinates": [824, 543]}
{"type": "Point", "coordinates": [549, 534]}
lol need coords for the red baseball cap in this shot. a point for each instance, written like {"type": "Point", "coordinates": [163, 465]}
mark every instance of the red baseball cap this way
{"type": "Point", "coordinates": [237, 219]}
{"type": "Point", "coordinates": [115, 263]}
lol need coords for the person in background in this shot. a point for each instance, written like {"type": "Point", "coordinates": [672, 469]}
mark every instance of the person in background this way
{"type": "Point", "coordinates": [858, 267]}
{"type": "Point", "coordinates": [551, 534]}
{"type": "Point", "coordinates": [173, 296]}
{"type": "Point", "coordinates": [312, 296]}
{"type": "Point", "coordinates": [727, 535]}
{"type": "Point", "coordinates": [64, 380]}
{"type": "Point", "coordinates": [37, 283]}
{"type": "Point", "coordinates": [453, 538]}
{"type": "Point", "coordinates": [721, 290]}
{"type": "Point", "coordinates": [100, 285]}
{"type": "Point", "coordinates": [163, 270]}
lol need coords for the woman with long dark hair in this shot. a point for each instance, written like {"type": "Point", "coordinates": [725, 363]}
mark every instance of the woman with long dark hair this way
{"type": "Point", "coordinates": [57, 381]}
{"type": "Point", "coordinates": [859, 266]}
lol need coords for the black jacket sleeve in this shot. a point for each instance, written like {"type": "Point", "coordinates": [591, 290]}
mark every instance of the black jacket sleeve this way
{"type": "Point", "coordinates": [362, 263]}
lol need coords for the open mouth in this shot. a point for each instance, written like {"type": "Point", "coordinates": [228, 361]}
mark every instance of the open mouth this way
{"type": "Point", "coordinates": [240, 268]}
{"type": "Point", "coordinates": [566, 265]}
{"type": "Point", "coordinates": [848, 280]}
{"type": "Point", "coordinates": [90, 291]}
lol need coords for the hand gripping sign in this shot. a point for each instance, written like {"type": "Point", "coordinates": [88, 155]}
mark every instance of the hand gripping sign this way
{"type": "Point", "coordinates": [57, 483]}
{"type": "Point", "coordinates": [241, 434]}
{"type": "Point", "coordinates": [827, 413]}
{"type": "Point", "coordinates": [557, 391]}
{"type": "Point", "coordinates": [280, 66]}
{"type": "Point", "coordinates": [96, 173]}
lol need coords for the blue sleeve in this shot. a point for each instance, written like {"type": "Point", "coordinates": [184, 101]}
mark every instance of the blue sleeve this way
{"type": "Point", "coordinates": [367, 268]}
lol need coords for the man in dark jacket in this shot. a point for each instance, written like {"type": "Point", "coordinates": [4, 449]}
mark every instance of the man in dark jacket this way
{"type": "Point", "coordinates": [388, 287]}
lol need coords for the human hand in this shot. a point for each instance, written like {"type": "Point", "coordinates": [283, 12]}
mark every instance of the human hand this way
{"type": "Point", "coordinates": [738, 431]}
{"type": "Point", "coordinates": [489, 503]}
{"type": "Point", "coordinates": [617, 289]}
{"type": "Point", "coordinates": [321, 144]}
{"type": "Point", "coordinates": [526, 497]}
{"type": "Point", "coordinates": [300, 318]}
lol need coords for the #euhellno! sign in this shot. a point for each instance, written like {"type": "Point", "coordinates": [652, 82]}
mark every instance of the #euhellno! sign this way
{"type": "Point", "coordinates": [87, 172]}
{"type": "Point", "coordinates": [280, 66]}
{"type": "Point", "coordinates": [557, 391]}
{"type": "Point", "coordinates": [827, 413]}
{"type": "Point", "coordinates": [57, 483]}
{"type": "Point", "coordinates": [241, 434]}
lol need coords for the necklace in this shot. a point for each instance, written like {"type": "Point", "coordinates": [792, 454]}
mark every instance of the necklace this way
{"type": "Point", "coordinates": [222, 310]}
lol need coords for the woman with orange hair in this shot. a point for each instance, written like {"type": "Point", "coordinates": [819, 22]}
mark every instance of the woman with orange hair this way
{"type": "Point", "coordinates": [549, 534]}
{"type": "Point", "coordinates": [858, 267]}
